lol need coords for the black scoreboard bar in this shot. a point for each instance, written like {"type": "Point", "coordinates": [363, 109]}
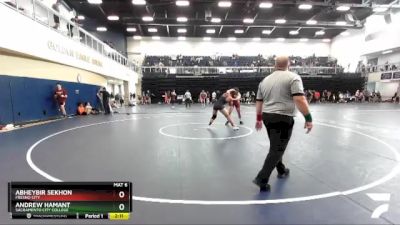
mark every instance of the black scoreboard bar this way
{"type": "Point", "coordinates": [70, 200]}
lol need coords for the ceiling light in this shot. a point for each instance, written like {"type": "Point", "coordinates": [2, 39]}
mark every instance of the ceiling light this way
{"type": "Point", "coordinates": [303, 39]}
{"type": "Point", "coordinates": [248, 20]}
{"type": "Point", "coordinates": [101, 29]}
{"type": "Point", "coordinates": [182, 30]}
{"type": "Point", "coordinates": [345, 33]}
{"type": "Point", "coordinates": [206, 39]}
{"type": "Point", "coordinates": [239, 31]}
{"type": "Point", "coordinates": [231, 39]}
{"type": "Point", "coordinates": [95, 1]}
{"type": "Point", "coordinates": [326, 40]}
{"type": "Point", "coordinates": [152, 30]}
{"type": "Point", "coordinates": [305, 6]}
{"type": "Point", "coordinates": [280, 21]}
{"type": "Point", "coordinates": [387, 52]}
{"type": "Point", "coordinates": [380, 9]}
{"type": "Point", "coordinates": [320, 32]}
{"type": "Point", "coordinates": [182, 3]}
{"type": "Point", "coordinates": [131, 29]}
{"type": "Point", "coordinates": [311, 22]}
{"type": "Point", "coordinates": [181, 38]}
{"type": "Point", "coordinates": [215, 20]}
{"type": "Point", "coordinates": [224, 4]}
{"type": "Point", "coordinates": [147, 18]}
{"type": "Point", "coordinates": [113, 18]}
{"type": "Point", "coordinates": [182, 19]}
{"type": "Point", "coordinates": [137, 37]}
{"type": "Point", "coordinates": [280, 39]}
{"type": "Point", "coordinates": [265, 5]}
{"type": "Point", "coordinates": [256, 39]}
{"type": "Point", "coordinates": [210, 31]}
{"type": "Point", "coordinates": [139, 2]}
{"type": "Point", "coordinates": [155, 37]}
{"type": "Point", "coordinates": [341, 23]}
{"type": "Point", "coordinates": [294, 32]}
{"type": "Point", "coordinates": [343, 8]}
{"type": "Point", "coordinates": [80, 17]}
{"type": "Point", "coordinates": [267, 31]}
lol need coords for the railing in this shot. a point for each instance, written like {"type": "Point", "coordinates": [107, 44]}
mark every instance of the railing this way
{"type": "Point", "coordinates": [390, 67]}
{"type": "Point", "coordinates": [40, 13]}
{"type": "Point", "coordinates": [226, 70]}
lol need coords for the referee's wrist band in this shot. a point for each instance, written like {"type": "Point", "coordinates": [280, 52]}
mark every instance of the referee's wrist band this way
{"type": "Point", "coordinates": [308, 117]}
{"type": "Point", "coordinates": [259, 117]}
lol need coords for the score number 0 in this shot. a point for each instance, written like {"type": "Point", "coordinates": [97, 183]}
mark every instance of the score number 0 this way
{"type": "Point", "coordinates": [121, 206]}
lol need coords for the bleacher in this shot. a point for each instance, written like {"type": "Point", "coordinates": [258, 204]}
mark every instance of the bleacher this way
{"type": "Point", "coordinates": [158, 84]}
{"type": "Point", "coordinates": [234, 61]}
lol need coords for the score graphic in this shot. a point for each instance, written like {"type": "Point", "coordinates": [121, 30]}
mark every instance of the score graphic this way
{"type": "Point", "coordinates": [70, 200]}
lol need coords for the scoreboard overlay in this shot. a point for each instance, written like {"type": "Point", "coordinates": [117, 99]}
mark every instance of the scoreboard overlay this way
{"type": "Point", "coordinates": [70, 200]}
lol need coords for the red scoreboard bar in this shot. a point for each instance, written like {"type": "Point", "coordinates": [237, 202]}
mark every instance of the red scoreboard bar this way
{"type": "Point", "coordinates": [70, 200]}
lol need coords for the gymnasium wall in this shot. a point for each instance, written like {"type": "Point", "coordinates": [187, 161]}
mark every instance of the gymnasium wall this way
{"type": "Point", "coordinates": [14, 65]}
{"type": "Point", "coordinates": [29, 37]}
{"type": "Point", "coordinates": [387, 89]}
{"type": "Point", "coordinates": [379, 35]}
{"type": "Point", "coordinates": [348, 49]}
{"type": "Point", "coordinates": [243, 46]}
{"type": "Point", "coordinates": [27, 86]}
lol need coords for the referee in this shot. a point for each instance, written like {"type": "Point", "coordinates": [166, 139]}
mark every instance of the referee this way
{"type": "Point", "coordinates": [277, 96]}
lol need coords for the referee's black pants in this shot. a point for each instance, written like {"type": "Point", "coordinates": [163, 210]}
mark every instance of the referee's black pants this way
{"type": "Point", "coordinates": [279, 128]}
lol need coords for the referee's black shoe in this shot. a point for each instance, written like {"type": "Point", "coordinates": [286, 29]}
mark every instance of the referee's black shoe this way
{"type": "Point", "coordinates": [285, 174]}
{"type": "Point", "coordinates": [264, 187]}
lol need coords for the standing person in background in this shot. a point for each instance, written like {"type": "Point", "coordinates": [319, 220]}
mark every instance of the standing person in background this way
{"type": "Point", "coordinates": [165, 97]}
{"type": "Point", "coordinates": [70, 26]}
{"type": "Point", "coordinates": [106, 100]}
{"type": "Point", "coordinates": [317, 96]}
{"type": "Point", "coordinates": [213, 97]}
{"type": "Point", "coordinates": [247, 97]}
{"type": "Point", "coordinates": [188, 99]}
{"type": "Point", "coordinates": [117, 98]}
{"type": "Point", "coordinates": [100, 98]}
{"type": "Point", "coordinates": [61, 96]}
{"type": "Point", "coordinates": [253, 96]}
{"type": "Point", "coordinates": [203, 97]}
{"type": "Point", "coordinates": [148, 97]}
{"type": "Point", "coordinates": [208, 98]}
{"type": "Point", "coordinates": [56, 7]}
{"type": "Point", "coordinates": [173, 98]}
{"type": "Point", "coordinates": [168, 97]}
{"type": "Point", "coordinates": [277, 96]}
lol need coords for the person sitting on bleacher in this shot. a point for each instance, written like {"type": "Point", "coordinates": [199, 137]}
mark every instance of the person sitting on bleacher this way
{"type": "Point", "coordinates": [88, 108]}
{"type": "Point", "coordinates": [80, 111]}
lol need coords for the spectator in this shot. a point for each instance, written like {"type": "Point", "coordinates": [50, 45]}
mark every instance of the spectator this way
{"type": "Point", "coordinates": [61, 96]}
{"type": "Point", "coordinates": [56, 7]}
{"type": "Point", "coordinates": [188, 99]}
{"type": "Point", "coordinates": [173, 97]}
{"type": "Point", "coordinates": [395, 98]}
{"type": "Point", "coordinates": [70, 26]}
{"type": "Point", "coordinates": [80, 111]}
{"type": "Point", "coordinates": [88, 108]}
{"type": "Point", "coordinates": [213, 97]}
{"type": "Point", "coordinates": [317, 96]}
{"type": "Point", "coordinates": [106, 100]}
{"type": "Point", "coordinates": [357, 95]}
{"type": "Point", "coordinates": [208, 97]}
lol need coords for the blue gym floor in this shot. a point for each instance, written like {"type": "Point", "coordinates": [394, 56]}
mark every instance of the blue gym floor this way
{"type": "Point", "coordinates": [184, 172]}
